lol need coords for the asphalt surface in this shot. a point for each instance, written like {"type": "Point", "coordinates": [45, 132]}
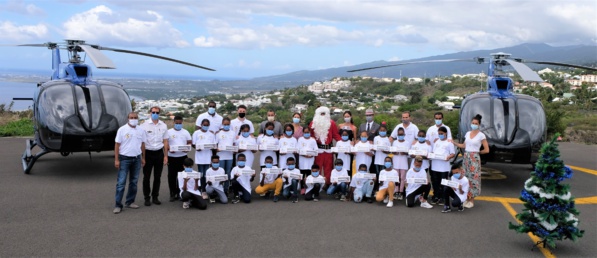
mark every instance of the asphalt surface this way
{"type": "Point", "coordinates": [64, 208]}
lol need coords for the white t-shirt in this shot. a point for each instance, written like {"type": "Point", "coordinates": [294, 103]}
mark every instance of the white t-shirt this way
{"type": "Point", "coordinates": [412, 174]}
{"type": "Point", "coordinates": [421, 146]}
{"type": "Point", "coordinates": [410, 132]}
{"type": "Point", "coordinates": [465, 186]}
{"type": "Point", "coordinates": [310, 185]}
{"type": "Point", "coordinates": [359, 182]}
{"type": "Point", "coordinates": [190, 184]}
{"type": "Point", "coordinates": [306, 144]}
{"type": "Point", "coordinates": [345, 157]}
{"type": "Point", "coordinates": [178, 138]}
{"type": "Point", "coordinates": [130, 140]}
{"type": "Point", "coordinates": [223, 139]}
{"type": "Point", "coordinates": [215, 121]}
{"type": "Point", "coordinates": [267, 140]}
{"type": "Point", "coordinates": [244, 181]}
{"type": "Point", "coordinates": [442, 147]}
{"type": "Point", "coordinates": [401, 161]}
{"type": "Point", "coordinates": [156, 134]}
{"type": "Point", "coordinates": [474, 144]}
{"type": "Point", "coordinates": [380, 156]}
{"type": "Point", "coordinates": [432, 133]}
{"type": "Point", "coordinates": [248, 154]}
{"type": "Point", "coordinates": [270, 178]}
{"type": "Point", "coordinates": [236, 123]}
{"type": "Point", "coordinates": [286, 143]}
{"type": "Point", "coordinates": [361, 157]}
{"type": "Point", "coordinates": [285, 173]}
{"type": "Point", "coordinates": [335, 174]}
{"type": "Point", "coordinates": [211, 172]}
{"type": "Point", "coordinates": [199, 137]}
{"type": "Point", "coordinates": [387, 173]}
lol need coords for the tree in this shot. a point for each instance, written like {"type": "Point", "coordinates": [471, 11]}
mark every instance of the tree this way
{"type": "Point", "coordinates": [549, 207]}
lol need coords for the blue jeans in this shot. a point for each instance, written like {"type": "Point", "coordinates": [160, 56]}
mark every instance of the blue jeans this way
{"type": "Point", "coordinates": [227, 166]}
{"type": "Point", "coordinates": [128, 166]}
{"type": "Point", "coordinates": [293, 187]}
{"type": "Point", "coordinates": [340, 187]}
{"type": "Point", "coordinates": [366, 190]}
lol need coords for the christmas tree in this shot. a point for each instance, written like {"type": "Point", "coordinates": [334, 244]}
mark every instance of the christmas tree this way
{"type": "Point", "coordinates": [549, 207]}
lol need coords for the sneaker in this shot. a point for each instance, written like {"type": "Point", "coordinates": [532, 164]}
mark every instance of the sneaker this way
{"type": "Point", "coordinates": [132, 206]}
{"type": "Point", "coordinates": [147, 202]}
{"type": "Point", "coordinates": [386, 200]}
{"type": "Point", "coordinates": [396, 196]}
{"type": "Point", "coordinates": [460, 208]}
{"type": "Point", "coordinates": [434, 200]}
{"type": "Point", "coordinates": [186, 205]}
{"type": "Point", "coordinates": [369, 199]}
{"type": "Point", "coordinates": [400, 197]}
{"type": "Point", "coordinates": [316, 198]}
{"type": "Point", "coordinates": [426, 205]}
{"type": "Point", "coordinates": [204, 196]}
{"type": "Point", "coordinates": [262, 195]}
{"type": "Point", "coordinates": [468, 205]}
{"type": "Point", "coordinates": [236, 199]}
{"type": "Point", "coordinates": [156, 201]}
{"type": "Point", "coordinates": [343, 198]}
{"type": "Point", "coordinates": [358, 199]}
{"type": "Point", "coordinates": [276, 198]}
{"type": "Point", "coordinates": [212, 200]}
{"type": "Point", "coordinates": [295, 200]}
{"type": "Point", "coordinates": [390, 204]}
{"type": "Point", "coordinates": [446, 209]}
{"type": "Point", "coordinates": [441, 201]}
{"type": "Point", "coordinates": [117, 210]}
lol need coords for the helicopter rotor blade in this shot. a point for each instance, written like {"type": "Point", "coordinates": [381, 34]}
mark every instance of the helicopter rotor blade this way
{"type": "Point", "coordinates": [100, 60]}
{"type": "Point", "coordinates": [150, 55]}
{"type": "Point", "coordinates": [560, 64]}
{"type": "Point", "coordinates": [476, 59]}
{"type": "Point", "coordinates": [524, 71]}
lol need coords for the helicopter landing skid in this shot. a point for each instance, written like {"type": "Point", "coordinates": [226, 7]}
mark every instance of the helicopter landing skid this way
{"type": "Point", "coordinates": [28, 159]}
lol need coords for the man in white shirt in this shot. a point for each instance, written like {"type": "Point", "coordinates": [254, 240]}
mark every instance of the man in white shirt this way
{"type": "Point", "coordinates": [156, 149]}
{"type": "Point", "coordinates": [176, 136]}
{"type": "Point", "coordinates": [410, 129]}
{"type": "Point", "coordinates": [129, 157]}
{"type": "Point", "coordinates": [236, 123]}
{"type": "Point", "coordinates": [432, 131]}
{"type": "Point", "coordinates": [215, 120]}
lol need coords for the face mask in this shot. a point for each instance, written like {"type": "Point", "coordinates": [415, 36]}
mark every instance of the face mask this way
{"type": "Point", "coordinates": [226, 128]}
{"type": "Point", "coordinates": [388, 164]}
{"type": "Point", "coordinates": [416, 169]}
{"type": "Point", "coordinates": [401, 137]}
{"type": "Point", "coordinates": [215, 165]}
{"type": "Point", "coordinates": [405, 122]}
{"type": "Point", "coordinates": [382, 134]}
{"type": "Point", "coordinates": [315, 174]}
{"type": "Point", "coordinates": [291, 167]}
{"type": "Point", "coordinates": [269, 132]}
{"type": "Point", "coordinates": [362, 171]}
{"type": "Point", "coordinates": [289, 133]}
{"type": "Point", "coordinates": [345, 137]}
{"type": "Point", "coordinates": [268, 165]}
{"type": "Point", "coordinates": [438, 121]}
{"type": "Point", "coordinates": [270, 118]}
{"type": "Point", "coordinates": [457, 176]}
{"type": "Point", "coordinates": [205, 128]}
{"type": "Point", "coordinates": [155, 116]}
{"type": "Point", "coordinates": [188, 169]}
{"type": "Point", "coordinates": [474, 127]}
{"type": "Point", "coordinates": [421, 139]}
{"type": "Point", "coordinates": [177, 127]}
{"type": "Point", "coordinates": [441, 136]}
{"type": "Point", "coordinates": [307, 135]}
{"type": "Point", "coordinates": [347, 119]}
{"type": "Point", "coordinates": [363, 139]}
{"type": "Point", "coordinates": [133, 122]}
{"type": "Point", "coordinates": [246, 134]}
{"type": "Point", "coordinates": [339, 167]}
{"type": "Point", "coordinates": [211, 110]}
{"type": "Point", "coordinates": [369, 119]}
{"type": "Point", "coordinates": [296, 120]}
{"type": "Point", "coordinates": [241, 163]}
{"type": "Point", "coordinates": [242, 115]}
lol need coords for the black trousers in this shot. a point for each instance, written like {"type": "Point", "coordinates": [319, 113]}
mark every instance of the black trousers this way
{"type": "Point", "coordinates": [436, 182]}
{"type": "Point", "coordinates": [449, 192]}
{"type": "Point", "coordinates": [314, 192]}
{"type": "Point", "coordinates": [196, 200]}
{"type": "Point", "coordinates": [424, 190]}
{"type": "Point", "coordinates": [175, 165]}
{"type": "Point", "coordinates": [237, 188]}
{"type": "Point", "coordinates": [305, 173]}
{"type": "Point", "coordinates": [154, 161]}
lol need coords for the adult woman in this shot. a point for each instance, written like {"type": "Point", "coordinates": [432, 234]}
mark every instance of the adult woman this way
{"type": "Point", "coordinates": [472, 161]}
{"type": "Point", "coordinates": [298, 129]}
{"type": "Point", "coordinates": [349, 126]}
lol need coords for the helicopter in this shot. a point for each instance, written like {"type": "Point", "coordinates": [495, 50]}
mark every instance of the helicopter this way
{"type": "Point", "coordinates": [514, 124]}
{"type": "Point", "coordinates": [72, 112]}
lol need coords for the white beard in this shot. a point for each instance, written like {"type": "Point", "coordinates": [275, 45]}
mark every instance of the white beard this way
{"type": "Point", "coordinates": [322, 124]}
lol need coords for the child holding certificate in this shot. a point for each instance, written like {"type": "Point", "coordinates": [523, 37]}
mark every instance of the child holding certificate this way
{"type": "Point", "coordinates": [266, 140]}
{"type": "Point", "coordinates": [400, 160]}
{"type": "Point", "coordinates": [190, 193]}
{"type": "Point", "coordinates": [361, 188]}
{"type": "Point", "coordinates": [306, 143]}
{"type": "Point", "coordinates": [414, 189]}
{"type": "Point", "coordinates": [202, 155]}
{"type": "Point", "coordinates": [345, 156]}
{"type": "Point", "coordinates": [225, 137]}
{"type": "Point", "coordinates": [241, 182]}
{"type": "Point", "coordinates": [214, 188]}
{"type": "Point", "coordinates": [337, 186]}
{"type": "Point", "coordinates": [380, 155]}
{"type": "Point", "coordinates": [290, 184]}
{"type": "Point", "coordinates": [440, 167]}
{"type": "Point", "coordinates": [458, 194]}
{"type": "Point", "coordinates": [363, 154]}
{"type": "Point", "coordinates": [314, 183]}
{"type": "Point", "coordinates": [386, 184]}
{"type": "Point", "coordinates": [243, 140]}
{"type": "Point", "coordinates": [287, 141]}
{"type": "Point", "coordinates": [421, 144]}
{"type": "Point", "coordinates": [269, 182]}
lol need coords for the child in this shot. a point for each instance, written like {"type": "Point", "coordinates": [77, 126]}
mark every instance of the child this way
{"type": "Point", "coordinates": [245, 138]}
{"type": "Point", "coordinates": [241, 184]}
{"type": "Point", "coordinates": [458, 195]}
{"type": "Point", "coordinates": [176, 136]}
{"type": "Point", "coordinates": [313, 189]}
{"type": "Point", "coordinates": [364, 157]}
{"type": "Point", "coordinates": [420, 143]}
{"type": "Point", "coordinates": [412, 189]}
{"type": "Point", "coordinates": [215, 188]}
{"type": "Point", "coordinates": [287, 141]}
{"type": "Point", "coordinates": [289, 183]}
{"type": "Point", "coordinates": [189, 189]}
{"type": "Point", "coordinates": [361, 186]}
{"type": "Point", "coordinates": [225, 137]}
{"type": "Point", "coordinates": [345, 156]}
{"type": "Point", "coordinates": [400, 161]}
{"type": "Point", "coordinates": [386, 188]}
{"type": "Point", "coordinates": [440, 168]}
{"type": "Point", "coordinates": [266, 140]}
{"type": "Point", "coordinates": [306, 143]}
{"type": "Point", "coordinates": [269, 182]}
{"type": "Point", "coordinates": [336, 186]}
{"type": "Point", "coordinates": [202, 156]}
{"type": "Point", "coordinates": [380, 156]}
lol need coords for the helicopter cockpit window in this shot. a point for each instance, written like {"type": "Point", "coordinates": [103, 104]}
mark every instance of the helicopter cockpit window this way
{"type": "Point", "coordinates": [504, 119]}
{"type": "Point", "coordinates": [119, 103]}
{"type": "Point", "coordinates": [56, 104]}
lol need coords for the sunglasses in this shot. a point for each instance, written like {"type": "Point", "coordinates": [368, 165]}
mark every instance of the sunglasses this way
{"type": "Point", "coordinates": [153, 112]}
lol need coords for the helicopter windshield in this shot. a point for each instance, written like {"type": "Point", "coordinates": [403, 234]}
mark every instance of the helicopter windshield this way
{"type": "Point", "coordinates": [56, 103]}
{"type": "Point", "coordinates": [120, 104]}
{"type": "Point", "coordinates": [89, 105]}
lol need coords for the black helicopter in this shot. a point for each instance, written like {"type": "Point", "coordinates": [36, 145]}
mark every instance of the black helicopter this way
{"type": "Point", "coordinates": [514, 124]}
{"type": "Point", "coordinates": [73, 112]}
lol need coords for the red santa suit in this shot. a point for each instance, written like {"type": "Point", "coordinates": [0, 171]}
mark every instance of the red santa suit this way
{"type": "Point", "coordinates": [325, 131]}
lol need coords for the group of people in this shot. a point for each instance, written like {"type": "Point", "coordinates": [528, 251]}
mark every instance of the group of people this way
{"type": "Point", "coordinates": [403, 164]}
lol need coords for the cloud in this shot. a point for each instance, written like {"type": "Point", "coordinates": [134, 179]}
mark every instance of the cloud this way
{"type": "Point", "coordinates": [9, 32]}
{"type": "Point", "coordinates": [19, 6]}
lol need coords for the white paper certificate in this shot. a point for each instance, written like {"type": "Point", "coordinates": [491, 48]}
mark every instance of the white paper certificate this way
{"type": "Point", "coordinates": [297, 176]}
{"type": "Point", "coordinates": [341, 179]}
{"type": "Point", "coordinates": [343, 149]}
{"type": "Point", "coordinates": [228, 148]}
{"type": "Point", "coordinates": [207, 146]}
{"type": "Point", "coordinates": [192, 175]}
{"type": "Point", "coordinates": [360, 149]}
{"type": "Point", "coordinates": [418, 152]}
{"type": "Point", "coordinates": [284, 150]}
{"type": "Point", "coordinates": [386, 178]}
{"type": "Point", "coordinates": [308, 152]}
{"type": "Point", "coordinates": [365, 175]}
{"type": "Point", "coordinates": [248, 172]}
{"type": "Point", "coordinates": [271, 171]}
{"type": "Point", "coordinates": [397, 149]}
{"type": "Point", "coordinates": [381, 148]}
{"type": "Point", "coordinates": [269, 147]}
{"type": "Point", "coordinates": [216, 178]}
{"type": "Point", "coordinates": [422, 181]}
{"type": "Point", "coordinates": [186, 148]}
{"type": "Point", "coordinates": [437, 156]}
{"type": "Point", "coordinates": [316, 180]}
{"type": "Point", "coordinates": [450, 183]}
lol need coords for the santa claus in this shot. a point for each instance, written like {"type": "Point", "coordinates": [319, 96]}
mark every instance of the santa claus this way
{"type": "Point", "coordinates": [325, 131]}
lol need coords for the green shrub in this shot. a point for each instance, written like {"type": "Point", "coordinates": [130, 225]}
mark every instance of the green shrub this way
{"type": "Point", "coordinates": [21, 127]}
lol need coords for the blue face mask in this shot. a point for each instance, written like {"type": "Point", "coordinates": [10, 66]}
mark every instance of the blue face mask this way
{"type": "Point", "coordinates": [363, 139]}
{"type": "Point", "coordinates": [246, 134]}
{"type": "Point", "coordinates": [345, 137]}
{"type": "Point", "coordinates": [289, 133]}
{"type": "Point", "coordinates": [240, 163]}
{"type": "Point", "coordinates": [362, 171]}
{"type": "Point", "coordinates": [315, 174]}
{"type": "Point", "coordinates": [296, 120]}
{"type": "Point", "coordinates": [211, 110]}
{"type": "Point", "coordinates": [401, 137]}
{"type": "Point", "coordinates": [438, 121]}
{"type": "Point", "coordinates": [416, 169]}
{"type": "Point", "coordinates": [177, 127]}
{"type": "Point", "coordinates": [291, 167]}
{"type": "Point", "coordinates": [421, 139]}
{"type": "Point", "coordinates": [269, 132]}
{"type": "Point", "coordinates": [307, 135]}
{"type": "Point", "coordinates": [382, 134]}
{"type": "Point", "coordinates": [215, 165]}
{"type": "Point", "coordinates": [155, 116]}
{"type": "Point", "coordinates": [269, 165]}
{"type": "Point", "coordinates": [226, 127]}
{"type": "Point", "coordinates": [387, 164]}
{"type": "Point", "coordinates": [457, 176]}
{"type": "Point", "coordinates": [441, 136]}
{"type": "Point", "coordinates": [188, 169]}
{"type": "Point", "coordinates": [474, 127]}
{"type": "Point", "coordinates": [339, 167]}
{"type": "Point", "coordinates": [205, 128]}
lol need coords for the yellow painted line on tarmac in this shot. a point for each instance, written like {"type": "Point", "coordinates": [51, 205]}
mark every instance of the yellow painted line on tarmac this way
{"type": "Point", "coordinates": [586, 200]}
{"type": "Point", "coordinates": [586, 170]}
{"type": "Point", "coordinates": [535, 239]}
{"type": "Point", "coordinates": [498, 199]}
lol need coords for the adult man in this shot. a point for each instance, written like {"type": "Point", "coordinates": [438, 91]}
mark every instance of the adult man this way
{"type": "Point", "coordinates": [176, 136]}
{"type": "Point", "coordinates": [236, 123]}
{"type": "Point", "coordinates": [215, 120]}
{"type": "Point", "coordinates": [410, 129]}
{"type": "Point", "coordinates": [129, 157]}
{"type": "Point", "coordinates": [370, 126]}
{"type": "Point", "coordinates": [325, 131]}
{"type": "Point", "coordinates": [432, 131]}
{"type": "Point", "coordinates": [271, 117]}
{"type": "Point", "coordinates": [156, 155]}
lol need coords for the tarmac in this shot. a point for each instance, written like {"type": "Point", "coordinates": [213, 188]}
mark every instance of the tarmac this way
{"type": "Point", "coordinates": [64, 208]}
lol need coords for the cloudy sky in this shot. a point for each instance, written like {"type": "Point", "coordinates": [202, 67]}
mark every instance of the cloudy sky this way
{"type": "Point", "coordinates": [258, 38]}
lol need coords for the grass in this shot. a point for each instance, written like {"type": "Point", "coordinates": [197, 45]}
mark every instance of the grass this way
{"type": "Point", "coordinates": [20, 127]}
{"type": "Point", "coordinates": [581, 120]}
